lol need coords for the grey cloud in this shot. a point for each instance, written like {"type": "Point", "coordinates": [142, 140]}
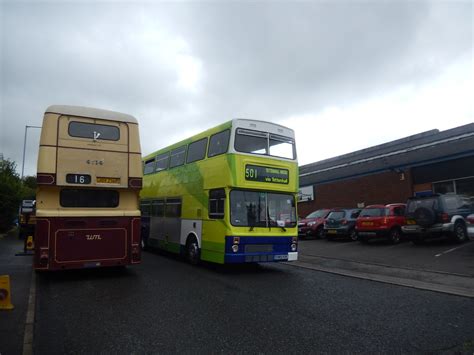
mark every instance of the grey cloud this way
{"type": "Point", "coordinates": [264, 60]}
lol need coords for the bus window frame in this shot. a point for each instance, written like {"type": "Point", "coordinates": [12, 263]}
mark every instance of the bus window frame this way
{"type": "Point", "coordinates": [184, 148]}
{"type": "Point", "coordinates": [151, 160]}
{"type": "Point", "coordinates": [166, 156]}
{"type": "Point", "coordinates": [210, 143]}
{"type": "Point", "coordinates": [93, 124]}
{"type": "Point", "coordinates": [220, 197]}
{"type": "Point", "coordinates": [202, 154]}
{"type": "Point", "coordinates": [93, 191]}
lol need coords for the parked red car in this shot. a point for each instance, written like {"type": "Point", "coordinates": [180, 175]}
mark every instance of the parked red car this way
{"type": "Point", "coordinates": [379, 221]}
{"type": "Point", "coordinates": [313, 224]}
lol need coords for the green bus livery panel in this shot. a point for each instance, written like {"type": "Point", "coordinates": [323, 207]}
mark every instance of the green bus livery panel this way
{"type": "Point", "coordinates": [221, 196]}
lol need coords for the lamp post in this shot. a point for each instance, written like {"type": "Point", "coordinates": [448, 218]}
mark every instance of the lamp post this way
{"type": "Point", "coordinates": [24, 148]}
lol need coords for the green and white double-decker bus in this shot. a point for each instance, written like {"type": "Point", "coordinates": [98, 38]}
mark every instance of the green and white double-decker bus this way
{"type": "Point", "coordinates": [226, 195]}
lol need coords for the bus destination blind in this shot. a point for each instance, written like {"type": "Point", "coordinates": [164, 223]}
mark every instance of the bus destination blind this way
{"type": "Point", "coordinates": [266, 174]}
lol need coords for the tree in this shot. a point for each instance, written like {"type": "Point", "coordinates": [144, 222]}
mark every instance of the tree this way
{"type": "Point", "coordinates": [11, 190]}
{"type": "Point", "coordinates": [29, 188]}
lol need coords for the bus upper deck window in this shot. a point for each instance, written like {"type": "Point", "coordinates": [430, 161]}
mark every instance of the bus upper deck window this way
{"type": "Point", "coordinates": [218, 143]}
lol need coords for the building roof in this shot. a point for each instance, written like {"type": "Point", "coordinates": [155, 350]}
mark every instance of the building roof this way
{"type": "Point", "coordinates": [419, 149]}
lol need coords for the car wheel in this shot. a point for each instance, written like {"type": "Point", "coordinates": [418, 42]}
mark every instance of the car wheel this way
{"type": "Point", "coordinates": [394, 236]}
{"type": "Point", "coordinates": [460, 233]}
{"type": "Point", "coordinates": [320, 233]}
{"type": "Point", "coordinates": [143, 244]}
{"type": "Point", "coordinates": [353, 235]}
{"type": "Point", "coordinates": [192, 251]}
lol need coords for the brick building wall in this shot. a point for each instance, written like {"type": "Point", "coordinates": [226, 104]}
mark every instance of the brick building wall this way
{"type": "Point", "coordinates": [383, 188]}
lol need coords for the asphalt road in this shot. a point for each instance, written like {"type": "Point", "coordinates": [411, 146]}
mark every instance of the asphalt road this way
{"type": "Point", "coordinates": [12, 322]}
{"type": "Point", "coordinates": [165, 305]}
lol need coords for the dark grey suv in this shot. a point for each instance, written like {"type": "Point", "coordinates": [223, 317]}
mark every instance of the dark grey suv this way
{"type": "Point", "coordinates": [438, 215]}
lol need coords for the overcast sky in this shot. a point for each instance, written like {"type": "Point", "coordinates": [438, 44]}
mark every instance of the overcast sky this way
{"type": "Point", "coordinates": [345, 75]}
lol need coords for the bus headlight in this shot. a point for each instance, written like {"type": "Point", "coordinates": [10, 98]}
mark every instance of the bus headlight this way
{"type": "Point", "coordinates": [235, 248]}
{"type": "Point", "coordinates": [293, 247]}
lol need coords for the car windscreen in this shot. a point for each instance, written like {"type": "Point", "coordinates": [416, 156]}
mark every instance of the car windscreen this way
{"type": "Point", "coordinates": [337, 215]}
{"type": "Point", "coordinates": [373, 212]}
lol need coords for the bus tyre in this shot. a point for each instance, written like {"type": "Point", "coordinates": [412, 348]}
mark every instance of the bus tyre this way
{"type": "Point", "coordinates": [192, 251]}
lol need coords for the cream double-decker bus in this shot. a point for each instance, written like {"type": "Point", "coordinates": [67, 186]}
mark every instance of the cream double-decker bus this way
{"type": "Point", "coordinates": [89, 177]}
{"type": "Point", "coordinates": [226, 195]}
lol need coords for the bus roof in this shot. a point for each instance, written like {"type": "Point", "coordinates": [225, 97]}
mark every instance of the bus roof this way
{"type": "Point", "coordinates": [210, 131]}
{"type": "Point", "coordinates": [89, 112]}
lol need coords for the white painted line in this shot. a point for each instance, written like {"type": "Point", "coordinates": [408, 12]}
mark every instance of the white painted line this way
{"type": "Point", "coordinates": [450, 250]}
{"type": "Point", "coordinates": [30, 318]}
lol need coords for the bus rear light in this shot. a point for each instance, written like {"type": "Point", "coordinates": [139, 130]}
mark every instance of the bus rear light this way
{"type": "Point", "coordinates": [135, 183]}
{"type": "Point", "coordinates": [294, 240]}
{"type": "Point", "coordinates": [44, 256]}
{"type": "Point", "coordinates": [135, 253]}
{"type": "Point", "coordinates": [235, 248]}
{"type": "Point", "coordinates": [236, 240]}
{"type": "Point", "coordinates": [293, 247]}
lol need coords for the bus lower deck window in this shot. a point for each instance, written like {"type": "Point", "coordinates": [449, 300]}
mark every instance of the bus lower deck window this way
{"type": "Point", "coordinates": [98, 198]}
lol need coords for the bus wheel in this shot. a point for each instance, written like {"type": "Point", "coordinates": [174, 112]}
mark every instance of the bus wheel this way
{"type": "Point", "coordinates": [192, 251]}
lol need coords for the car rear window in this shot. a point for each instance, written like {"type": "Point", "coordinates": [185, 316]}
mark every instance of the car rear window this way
{"type": "Point", "coordinates": [430, 203]}
{"type": "Point", "coordinates": [372, 212]}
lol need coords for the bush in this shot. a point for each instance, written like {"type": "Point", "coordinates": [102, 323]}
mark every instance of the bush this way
{"type": "Point", "coordinates": [11, 191]}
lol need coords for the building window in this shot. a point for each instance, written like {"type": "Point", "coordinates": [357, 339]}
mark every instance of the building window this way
{"type": "Point", "coordinates": [465, 186]}
{"type": "Point", "coordinates": [197, 150]}
{"type": "Point", "coordinates": [443, 187]}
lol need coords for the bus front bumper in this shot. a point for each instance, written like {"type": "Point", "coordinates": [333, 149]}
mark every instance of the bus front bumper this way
{"type": "Point", "coordinates": [260, 249]}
